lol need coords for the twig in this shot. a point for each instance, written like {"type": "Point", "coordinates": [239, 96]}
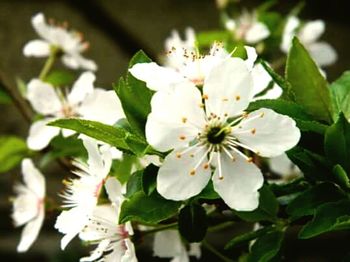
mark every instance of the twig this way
{"type": "Point", "coordinates": [160, 228]}
{"type": "Point", "coordinates": [215, 251]}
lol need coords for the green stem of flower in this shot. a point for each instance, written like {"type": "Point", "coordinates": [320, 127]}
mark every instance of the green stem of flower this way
{"type": "Point", "coordinates": [221, 226]}
{"type": "Point", "coordinates": [215, 251]}
{"type": "Point", "coordinates": [49, 63]}
{"type": "Point", "coordinates": [160, 228]}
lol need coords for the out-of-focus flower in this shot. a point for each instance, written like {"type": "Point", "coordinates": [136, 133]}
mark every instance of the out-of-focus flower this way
{"type": "Point", "coordinates": [309, 34]}
{"type": "Point", "coordinates": [248, 28]}
{"type": "Point", "coordinates": [70, 43]}
{"type": "Point", "coordinates": [282, 166]}
{"type": "Point", "coordinates": [82, 101]}
{"type": "Point", "coordinates": [112, 240]}
{"type": "Point", "coordinates": [81, 194]}
{"type": "Point", "coordinates": [28, 206]}
{"type": "Point", "coordinates": [168, 244]}
{"type": "Point", "coordinates": [213, 135]}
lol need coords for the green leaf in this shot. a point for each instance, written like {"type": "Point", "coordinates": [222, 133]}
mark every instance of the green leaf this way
{"type": "Point", "coordinates": [123, 168]}
{"type": "Point", "coordinates": [12, 151]}
{"type": "Point", "coordinates": [307, 83]}
{"type": "Point", "coordinates": [267, 209]}
{"type": "Point", "coordinates": [306, 203]}
{"type": "Point", "coordinates": [149, 179]}
{"type": "Point", "coordinates": [147, 209]}
{"type": "Point", "coordinates": [208, 192]}
{"type": "Point", "coordinates": [340, 94]}
{"type": "Point", "coordinates": [247, 237]}
{"type": "Point", "coordinates": [207, 38]}
{"type": "Point", "coordinates": [60, 78]}
{"type": "Point", "coordinates": [291, 187]}
{"type": "Point", "coordinates": [135, 97]}
{"type": "Point", "coordinates": [193, 223]}
{"type": "Point", "coordinates": [341, 177]}
{"type": "Point", "coordinates": [337, 143]}
{"type": "Point", "coordinates": [266, 247]}
{"type": "Point", "coordinates": [134, 184]}
{"type": "Point", "coordinates": [328, 217]}
{"type": "Point", "coordinates": [4, 97]}
{"type": "Point", "coordinates": [113, 135]}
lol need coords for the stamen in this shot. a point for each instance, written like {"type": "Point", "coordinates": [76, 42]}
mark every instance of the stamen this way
{"type": "Point", "coordinates": [219, 166]}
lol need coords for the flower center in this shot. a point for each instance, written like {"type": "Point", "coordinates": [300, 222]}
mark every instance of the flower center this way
{"type": "Point", "coordinates": [216, 135]}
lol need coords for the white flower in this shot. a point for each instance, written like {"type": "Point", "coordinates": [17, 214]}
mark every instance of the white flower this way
{"type": "Point", "coordinates": [282, 166]}
{"type": "Point", "coordinates": [168, 244]}
{"type": "Point", "coordinates": [83, 101]}
{"type": "Point", "coordinates": [177, 49]}
{"type": "Point", "coordinates": [82, 194]}
{"type": "Point", "coordinates": [309, 34]}
{"type": "Point", "coordinates": [261, 78]}
{"type": "Point", "coordinates": [194, 68]}
{"type": "Point", "coordinates": [28, 206]}
{"type": "Point", "coordinates": [248, 28]}
{"type": "Point", "coordinates": [113, 243]}
{"type": "Point", "coordinates": [214, 134]}
{"type": "Point", "coordinates": [68, 42]}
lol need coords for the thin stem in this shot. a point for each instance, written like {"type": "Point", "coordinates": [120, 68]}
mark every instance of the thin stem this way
{"type": "Point", "coordinates": [160, 228]}
{"type": "Point", "coordinates": [215, 251]}
{"type": "Point", "coordinates": [221, 226]}
{"type": "Point", "coordinates": [49, 63]}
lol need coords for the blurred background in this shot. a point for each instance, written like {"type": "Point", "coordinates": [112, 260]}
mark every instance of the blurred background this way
{"type": "Point", "coordinates": [116, 29]}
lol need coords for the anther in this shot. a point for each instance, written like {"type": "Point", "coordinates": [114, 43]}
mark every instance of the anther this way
{"type": "Point", "coordinates": [206, 166]}
{"type": "Point", "coordinates": [178, 155]}
{"type": "Point", "coordinates": [193, 172]}
{"type": "Point", "coordinates": [253, 131]}
{"type": "Point", "coordinates": [182, 137]}
{"type": "Point", "coordinates": [238, 98]}
{"type": "Point", "coordinates": [205, 97]}
{"type": "Point", "coordinates": [184, 120]}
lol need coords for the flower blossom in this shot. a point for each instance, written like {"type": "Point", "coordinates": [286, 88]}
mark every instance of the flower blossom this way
{"type": "Point", "coordinates": [69, 43]}
{"type": "Point", "coordinates": [309, 34]}
{"type": "Point", "coordinates": [113, 242]}
{"type": "Point", "coordinates": [28, 206]}
{"type": "Point", "coordinates": [211, 131]}
{"type": "Point", "coordinates": [168, 244]}
{"type": "Point", "coordinates": [82, 101]}
{"type": "Point", "coordinates": [82, 193]}
{"type": "Point", "coordinates": [281, 165]}
{"type": "Point", "coordinates": [248, 28]}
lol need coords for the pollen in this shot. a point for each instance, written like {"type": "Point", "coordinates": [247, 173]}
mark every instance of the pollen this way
{"type": "Point", "coordinates": [237, 98]}
{"type": "Point", "coordinates": [184, 120]}
{"type": "Point", "coordinates": [182, 137]}
{"type": "Point", "coordinates": [178, 155]}
{"type": "Point", "coordinates": [253, 131]}
{"type": "Point", "coordinates": [206, 166]}
{"type": "Point", "coordinates": [205, 97]}
{"type": "Point", "coordinates": [192, 155]}
{"type": "Point", "coordinates": [262, 114]}
{"type": "Point", "coordinates": [250, 160]}
{"type": "Point", "coordinates": [193, 172]}
{"type": "Point", "coordinates": [225, 99]}
{"type": "Point", "coordinates": [221, 178]}
{"type": "Point", "coordinates": [201, 105]}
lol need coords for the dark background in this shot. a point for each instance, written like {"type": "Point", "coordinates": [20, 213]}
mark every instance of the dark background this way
{"type": "Point", "coordinates": [116, 30]}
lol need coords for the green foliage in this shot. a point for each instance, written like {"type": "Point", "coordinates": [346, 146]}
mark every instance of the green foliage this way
{"type": "Point", "coordinates": [207, 38]}
{"type": "Point", "coordinates": [309, 87]}
{"type": "Point", "coordinates": [134, 184]}
{"type": "Point", "coordinates": [266, 211]}
{"type": "Point", "coordinates": [113, 135]}
{"type": "Point", "coordinates": [12, 150]}
{"type": "Point", "coordinates": [266, 247]}
{"type": "Point", "coordinates": [337, 143]}
{"type": "Point", "coordinates": [341, 177]}
{"type": "Point", "coordinates": [307, 202]}
{"type": "Point", "coordinates": [328, 217]}
{"type": "Point", "coordinates": [340, 94]}
{"type": "Point", "coordinates": [193, 223]}
{"type": "Point", "coordinates": [4, 97]}
{"type": "Point", "coordinates": [122, 168]}
{"type": "Point", "coordinates": [60, 78]}
{"type": "Point", "coordinates": [147, 209]}
{"type": "Point", "coordinates": [135, 97]}
{"type": "Point", "coordinates": [149, 179]}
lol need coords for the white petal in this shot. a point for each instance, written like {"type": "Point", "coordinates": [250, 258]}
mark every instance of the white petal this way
{"type": "Point", "coordinates": [40, 134]}
{"type": "Point", "coordinates": [283, 166]}
{"type": "Point", "coordinates": [176, 117]}
{"type": "Point", "coordinates": [43, 97]}
{"type": "Point", "coordinates": [288, 33]}
{"type": "Point", "coordinates": [98, 252]}
{"type": "Point", "coordinates": [267, 132]}
{"type": "Point", "coordinates": [323, 53]}
{"type": "Point", "coordinates": [67, 132]}
{"type": "Point", "coordinates": [311, 31]}
{"type": "Point", "coordinates": [76, 61]}
{"type": "Point", "coordinates": [195, 250]}
{"type": "Point", "coordinates": [25, 205]}
{"type": "Point", "coordinates": [256, 33]}
{"type": "Point", "coordinates": [30, 232]}
{"type": "Point", "coordinates": [228, 88]}
{"type": "Point", "coordinates": [71, 223]}
{"type": "Point", "coordinates": [240, 184]}
{"type": "Point", "coordinates": [102, 106]}
{"type": "Point", "coordinates": [37, 48]}
{"type": "Point", "coordinates": [33, 178]}
{"type": "Point", "coordinates": [230, 25]}
{"type": "Point", "coordinates": [99, 163]}
{"type": "Point", "coordinates": [41, 27]}
{"type": "Point", "coordinates": [179, 178]}
{"type": "Point", "coordinates": [130, 254]}
{"type": "Point", "coordinates": [155, 76]}
{"type": "Point", "coordinates": [83, 87]}
{"type": "Point", "coordinates": [114, 190]}
{"type": "Point", "coordinates": [167, 244]}
{"type": "Point", "coordinates": [252, 55]}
